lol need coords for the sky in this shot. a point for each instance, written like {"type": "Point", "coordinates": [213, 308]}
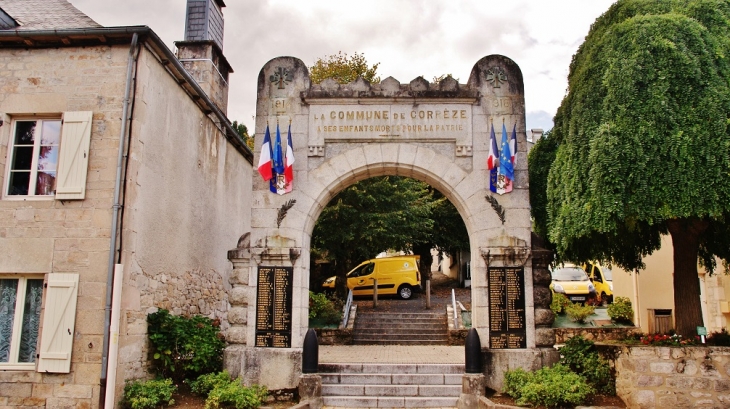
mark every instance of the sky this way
{"type": "Point", "coordinates": [408, 38]}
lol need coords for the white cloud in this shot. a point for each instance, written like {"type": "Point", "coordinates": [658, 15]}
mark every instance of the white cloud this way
{"type": "Point", "coordinates": [407, 37]}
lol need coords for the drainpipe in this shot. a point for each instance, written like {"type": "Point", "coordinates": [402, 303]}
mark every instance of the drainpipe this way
{"type": "Point", "coordinates": [105, 368]}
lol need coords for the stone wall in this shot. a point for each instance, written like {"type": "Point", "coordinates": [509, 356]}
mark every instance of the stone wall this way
{"type": "Point", "coordinates": [595, 334]}
{"type": "Point", "coordinates": [186, 204]}
{"type": "Point", "coordinates": [666, 377]}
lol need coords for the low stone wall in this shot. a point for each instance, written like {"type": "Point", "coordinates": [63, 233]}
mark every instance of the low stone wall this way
{"type": "Point", "coordinates": [672, 377]}
{"type": "Point", "coordinates": [334, 336]}
{"type": "Point", "coordinates": [595, 334]}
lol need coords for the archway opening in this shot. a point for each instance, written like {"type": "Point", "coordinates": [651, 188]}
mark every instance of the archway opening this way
{"type": "Point", "coordinates": [372, 228]}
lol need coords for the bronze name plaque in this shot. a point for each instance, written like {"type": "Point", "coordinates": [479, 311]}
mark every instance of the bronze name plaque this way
{"type": "Point", "coordinates": [273, 307]}
{"type": "Point", "coordinates": [506, 308]}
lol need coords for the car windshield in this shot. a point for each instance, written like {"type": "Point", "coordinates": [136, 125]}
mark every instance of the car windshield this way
{"type": "Point", "coordinates": [362, 270]}
{"type": "Point", "coordinates": [569, 274]}
{"type": "Point", "coordinates": [607, 274]}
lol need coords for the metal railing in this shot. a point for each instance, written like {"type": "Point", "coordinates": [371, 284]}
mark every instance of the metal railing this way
{"type": "Point", "coordinates": [453, 305]}
{"type": "Point", "coordinates": [346, 312]}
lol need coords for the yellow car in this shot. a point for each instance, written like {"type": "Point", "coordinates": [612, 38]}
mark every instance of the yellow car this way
{"type": "Point", "coordinates": [602, 279]}
{"type": "Point", "coordinates": [396, 275]}
{"type": "Point", "coordinates": [573, 282]}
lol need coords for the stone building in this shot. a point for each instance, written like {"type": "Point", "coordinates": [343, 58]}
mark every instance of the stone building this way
{"type": "Point", "coordinates": [118, 163]}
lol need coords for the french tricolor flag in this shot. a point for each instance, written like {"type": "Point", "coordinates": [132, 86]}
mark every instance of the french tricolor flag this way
{"type": "Point", "coordinates": [493, 152]}
{"type": "Point", "coordinates": [513, 143]}
{"type": "Point", "coordinates": [265, 157]}
{"type": "Point", "coordinates": [289, 162]}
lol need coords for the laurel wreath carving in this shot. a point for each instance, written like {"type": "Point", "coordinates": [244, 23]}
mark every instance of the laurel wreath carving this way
{"type": "Point", "coordinates": [282, 212]}
{"type": "Point", "coordinates": [497, 207]}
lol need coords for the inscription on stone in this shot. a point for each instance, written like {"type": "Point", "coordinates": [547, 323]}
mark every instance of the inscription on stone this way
{"type": "Point", "coordinates": [424, 121]}
{"type": "Point", "coordinates": [274, 307]}
{"type": "Point", "coordinates": [506, 308]}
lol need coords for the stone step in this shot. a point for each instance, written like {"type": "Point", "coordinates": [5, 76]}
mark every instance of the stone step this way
{"type": "Point", "coordinates": [400, 333]}
{"type": "Point", "coordinates": [411, 325]}
{"type": "Point", "coordinates": [361, 368]}
{"type": "Point", "coordinates": [391, 390]}
{"type": "Point", "coordinates": [333, 379]}
{"type": "Point", "coordinates": [389, 402]}
{"type": "Point", "coordinates": [401, 330]}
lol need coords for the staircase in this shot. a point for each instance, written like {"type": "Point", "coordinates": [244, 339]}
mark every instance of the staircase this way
{"type": "Point", "coordinates": [353, 385]}
{"type": "Point", "coordinates": [383, 328]}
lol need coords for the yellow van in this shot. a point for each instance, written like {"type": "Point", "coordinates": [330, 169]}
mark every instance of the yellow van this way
{"type": "Point", "coordinates": [602, 279]}
{"type": "Point", "coordinates": [396, 275]}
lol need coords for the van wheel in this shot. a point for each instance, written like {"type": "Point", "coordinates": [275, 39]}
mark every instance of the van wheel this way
{"type": "Point", "coordinates": [405, 292]}
{"type": "Point", "coordinates": [604, 300]}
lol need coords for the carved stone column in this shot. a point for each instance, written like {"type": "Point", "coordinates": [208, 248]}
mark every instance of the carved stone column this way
{"type": "Point", "coordinates": [240, 295]}
{"type": "Point", "coordinates": [544, 317]}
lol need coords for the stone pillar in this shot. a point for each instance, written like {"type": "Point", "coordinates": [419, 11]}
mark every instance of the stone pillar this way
{"type": "Point", "coordinates": [310, 390]}
{"type": "Point", "coordinates": [544, 317]}
{"type": "Point", "coordinates": [240, 295]}
{"type": "Point", "coordinates": [473, 387]}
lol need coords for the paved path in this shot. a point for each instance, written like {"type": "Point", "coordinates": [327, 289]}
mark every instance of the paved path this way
{"type": "Point", "coordinates": [392, 354]}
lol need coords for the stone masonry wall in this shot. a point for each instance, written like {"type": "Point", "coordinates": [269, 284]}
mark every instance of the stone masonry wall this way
{"type": "Point", "coordinates": [665, 377]}
{"type": "Point", "coordinates": [47, 235]}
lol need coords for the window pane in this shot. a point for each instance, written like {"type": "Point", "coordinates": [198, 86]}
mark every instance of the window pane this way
{"type": "Point", "coordinates": [51, 132]}
{"type": "Point", "coordinates": [46, 183]}
{"type": "Point", "coordinates": [31, 320]}
{"type": "Point", "coordinates": [19, 183]}
{"type": "Point", "coordinates": [48, 158]}
{"type": "Point", "coordinates": [22, 158]}
{"type": "Point", "coordinates": [24, 132]}
{"type": "Point", "coordinates": [8, 294]}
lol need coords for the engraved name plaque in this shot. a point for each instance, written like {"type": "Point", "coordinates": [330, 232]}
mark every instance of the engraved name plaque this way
{"type": "Point", "coordinates": [274, 307]}
{"type": "Point", "coordinates": [506, 308]}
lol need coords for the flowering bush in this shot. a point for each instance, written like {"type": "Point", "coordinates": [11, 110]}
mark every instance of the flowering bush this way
{"type": "Point", "coordinates": [674, 340]}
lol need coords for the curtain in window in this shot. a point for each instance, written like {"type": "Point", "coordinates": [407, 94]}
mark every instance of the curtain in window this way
{"type": "Point", "coordinates": [8, 295]}
{"type": "Point", "coordinates": [31, 321]}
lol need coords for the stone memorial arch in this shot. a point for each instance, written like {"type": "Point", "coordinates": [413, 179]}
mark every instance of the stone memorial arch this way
{"type": "Point", "coordinates": [341, 134]}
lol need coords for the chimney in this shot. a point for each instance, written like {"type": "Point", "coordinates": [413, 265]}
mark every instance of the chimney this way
{"type": "Point", "coordinates": [202, 51]}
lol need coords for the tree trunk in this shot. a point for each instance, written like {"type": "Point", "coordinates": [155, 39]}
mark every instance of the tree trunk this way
{"type": "Point", "coordinates": [686, 234]}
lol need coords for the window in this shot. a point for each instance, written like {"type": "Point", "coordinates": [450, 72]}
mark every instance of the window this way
{"type": "Point", "coordinates": [49, 157]}
{"type": "Point", "coordinates": [20, 313]}
{"type": "Point", "coordinates": [34, 157]}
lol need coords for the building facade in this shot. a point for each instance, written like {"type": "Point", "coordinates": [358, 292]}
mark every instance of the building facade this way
{"type": "Point", "coordinates": [115, 162]}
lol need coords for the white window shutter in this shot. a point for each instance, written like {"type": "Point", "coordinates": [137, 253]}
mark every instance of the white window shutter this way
{"type": "Point", "coordinates": [59, 316]}
{"type": "Point", "coordinates": [73, 160]}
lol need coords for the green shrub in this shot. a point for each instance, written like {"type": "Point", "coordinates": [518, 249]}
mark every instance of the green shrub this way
{"type": "Point", "coordinates": [206, 383]}
{"type": "Point", "coordinates": [224, 392]}
{"type": "Point", "coordinates": [184, 348]}
{"type": "Point", "coordinates": [559, 303]}
{"type": "Point", "coordinates": [515, 380]}
{"type": "Point", "coordinates": [579, 313]}
{"type": "Point", "coordinates": [326, 310]}
{"type": "Point", "coordinates": [148, 394]}
{"type": "Point", "coordinates": [620, 310]}
{"type": "Point", "coordinates": [552, 387]}
{"type": "Point", "coordinates": [581, 357]}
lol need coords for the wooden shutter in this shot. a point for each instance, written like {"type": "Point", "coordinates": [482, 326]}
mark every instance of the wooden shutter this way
{"type": "Point", "coordinates": [73, 161]}
{"type": "Point", "coordinates": [59, 316]}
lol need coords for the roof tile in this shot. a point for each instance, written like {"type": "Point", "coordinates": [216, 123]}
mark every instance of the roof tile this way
{"type": "Point", "coordinates": [46, 14]}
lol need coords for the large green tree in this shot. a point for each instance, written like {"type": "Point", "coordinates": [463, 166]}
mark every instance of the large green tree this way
{"type": "Point", "coordinates": [644, 142]}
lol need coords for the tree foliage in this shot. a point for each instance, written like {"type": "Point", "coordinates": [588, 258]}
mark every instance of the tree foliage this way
{"type": "Point", "coordinates": [644, 142]}
{"type": "Point", "coordinates": [539, 160]}
{"type": "Point", "coordinates": [242, 131]}
{"type": "Point", "coordinates": [386, 213]}
{"type": "Point", "coordinates": [343, 69]}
